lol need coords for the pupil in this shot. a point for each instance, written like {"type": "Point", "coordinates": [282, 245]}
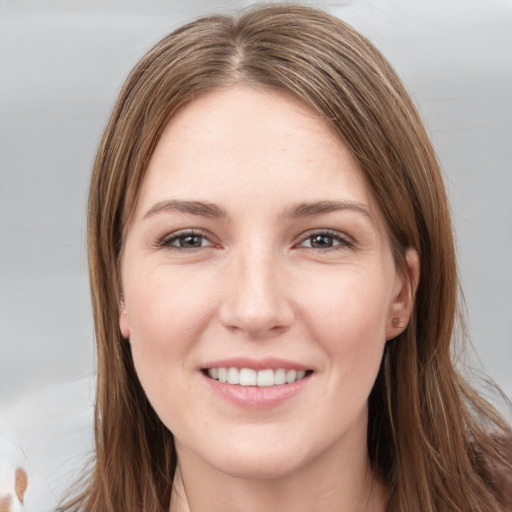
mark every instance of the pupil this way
{"type": "Point", "coordinates": [191, 241]}
{"type": "Point", "coordinates": [320, 241]}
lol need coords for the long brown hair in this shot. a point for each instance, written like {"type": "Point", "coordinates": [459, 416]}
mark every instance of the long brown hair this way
{"type": "Point", "coordinates": [435, 442]}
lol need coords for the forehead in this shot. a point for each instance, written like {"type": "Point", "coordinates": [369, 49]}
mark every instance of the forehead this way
{"type": "Point", "coordinates": [254, 144]}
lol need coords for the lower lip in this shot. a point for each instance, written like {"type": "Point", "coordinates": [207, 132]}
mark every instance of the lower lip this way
{"type": "Point", "coordinates": [256, 397]}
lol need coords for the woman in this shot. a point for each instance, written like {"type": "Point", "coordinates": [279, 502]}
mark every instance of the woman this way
{"type": "Point", "coordinates": [274, 285]}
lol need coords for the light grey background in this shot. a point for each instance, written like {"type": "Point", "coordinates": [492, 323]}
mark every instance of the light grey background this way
{"type": "Point", "coordinates": [62, 64]}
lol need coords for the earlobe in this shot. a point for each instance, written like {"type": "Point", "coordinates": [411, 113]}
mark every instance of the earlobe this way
{"type": "Point", "coordinates": [403, 301]}
{"type": "Point", "coordinates": [124, 324]}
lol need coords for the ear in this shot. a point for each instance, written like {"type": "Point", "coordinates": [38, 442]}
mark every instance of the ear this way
{"type": "Point", "coordinates": [124, 324]}
{"type": "Point", "coordinates": [404, 294]}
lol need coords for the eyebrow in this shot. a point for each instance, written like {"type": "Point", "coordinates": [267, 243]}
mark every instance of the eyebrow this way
{"type": "Point", "coordinates": [296, 211]}
{"type": "Point", "coordinates": [200, 208]}
{"type": "Point", "coordinates": [317, 208]}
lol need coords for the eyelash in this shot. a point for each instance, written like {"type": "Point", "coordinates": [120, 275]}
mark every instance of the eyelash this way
{"type": "Point", "coordinates": [168, 241]}
{"type": "Point", "coordinates": [343, 242]}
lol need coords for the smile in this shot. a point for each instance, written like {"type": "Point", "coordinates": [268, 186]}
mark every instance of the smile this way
{"type": "Point", "coordinates": [261, 378]}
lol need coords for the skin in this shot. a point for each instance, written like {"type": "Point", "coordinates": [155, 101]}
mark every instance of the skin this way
{"type": "Point", "coordinates": [319, 289]}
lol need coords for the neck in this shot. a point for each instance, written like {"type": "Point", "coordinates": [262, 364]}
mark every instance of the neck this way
{"type": "Point", "coordinates": [328, 484]}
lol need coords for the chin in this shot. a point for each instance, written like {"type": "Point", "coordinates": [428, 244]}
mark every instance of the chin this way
{"type": "Point", "coordinates": [258, 460]}
{"type": "Point", "coordinates": [271, 469]}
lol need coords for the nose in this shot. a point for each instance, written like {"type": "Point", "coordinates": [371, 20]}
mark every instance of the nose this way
{"type": "Point", "coordinates": [256, 300]}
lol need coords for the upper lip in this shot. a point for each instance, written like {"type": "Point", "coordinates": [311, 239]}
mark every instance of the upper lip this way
{"type": "Point", "coordinates": [255, 364]}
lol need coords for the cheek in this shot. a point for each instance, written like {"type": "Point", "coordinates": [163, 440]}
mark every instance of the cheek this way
{"type": "Point", "coordinates": [165, 305]}
{"type": "Point", "coordinates": [167, 316]}
{"type": "Point", "coordinates": [349, 322]}
{"type": "Point", "coordinates": [350, 307]}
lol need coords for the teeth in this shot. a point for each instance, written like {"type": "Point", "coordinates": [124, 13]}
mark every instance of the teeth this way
{"type": "Point", "coordinates": [233, 376]}
{"type": "Point", "coordinates": [265, 378]}
{"type": "Point", "coordinates": [250, 377]}
{"type": "Point", "coordinates": [291, 375]}
{"type": "Point", "coordinates": [279, 376]}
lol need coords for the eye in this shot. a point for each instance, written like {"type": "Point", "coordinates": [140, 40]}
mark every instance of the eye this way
{"type": "Point", "coordinates": [186, 240]}
{"type": "Point", "coordinates": [326, 240]}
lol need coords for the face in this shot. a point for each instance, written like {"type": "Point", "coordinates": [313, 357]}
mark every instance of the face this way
{"type": "Point", "coordinates": [259, 286]}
